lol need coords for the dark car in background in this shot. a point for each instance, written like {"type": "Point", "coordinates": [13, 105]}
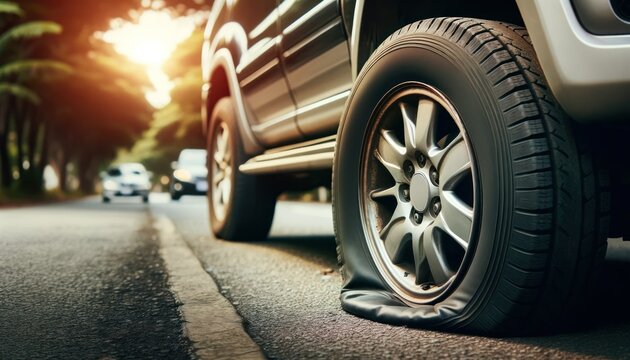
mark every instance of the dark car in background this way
{"type": "Point", "coordinates": [126, 180]}
{"type": "Point", "coordinates": [472, 146]}
{"type": "Point", "coordinates": [189, 174]}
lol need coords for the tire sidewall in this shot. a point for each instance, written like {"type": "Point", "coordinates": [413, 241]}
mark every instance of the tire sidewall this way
{"type": "Point", "coordinates": [443, 65]}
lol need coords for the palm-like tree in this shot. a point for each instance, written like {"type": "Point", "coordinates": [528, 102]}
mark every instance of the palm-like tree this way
{"type": "Point", "coordinates": [15, 69]}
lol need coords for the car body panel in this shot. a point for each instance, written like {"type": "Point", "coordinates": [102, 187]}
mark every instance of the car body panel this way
{"type": "Point", "coordinates": [292, 65]}
{"type": "Point", "coordinates": [317, 62]}
{"type": "Point", "coordinates": [588, 74]}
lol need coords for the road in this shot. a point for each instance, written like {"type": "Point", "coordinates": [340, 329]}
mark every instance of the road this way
{"type": "Point", "coordinates": [56, 258]}
{"type": "Point", "coordinates": [85, 281]}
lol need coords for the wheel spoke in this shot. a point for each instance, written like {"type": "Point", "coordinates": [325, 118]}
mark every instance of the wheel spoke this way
{"type": "Point", "coordinates": [455, 218]}
{"type": "Point", "coordinates": [218, 177]}
{"type": "Point", "coordinates": [439, 271]}
{"type": "Point", "coordinates": [218, 156]}
{"type": "Point", "coordinates": [396, 239]}
{"type": "Point", "coordinates": [419, 256]}
{"type": "Point", "coordinates": [436, 154]}
{"type": "Point", "coordinates": [392, 191]}
{"type": "Point", "coordinates": [227, 155]}
{"type": "Point", "coordinates": [391, 154]}
{"type": "Point", "coordinates": [401, 211]}
{"type": "Point", "coordinates": [409, 127]}
{"type": "Point", "coordinates": [217, 194]}
{"type": "Point", "coordinates": [455, 162]}
{"type": "Point", "coordinates": [425, 125]}
{"type": "Point", "coordinates": [225, 190]}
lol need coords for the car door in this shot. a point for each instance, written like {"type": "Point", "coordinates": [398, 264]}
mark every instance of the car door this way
{"type": "Point", "coordinates": [315, 54]}
{"type": "Point", "coordinates": [260, 74]}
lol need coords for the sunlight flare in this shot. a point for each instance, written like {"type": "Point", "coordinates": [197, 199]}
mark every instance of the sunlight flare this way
{"type": "Point", "coordinates": [150, 40]}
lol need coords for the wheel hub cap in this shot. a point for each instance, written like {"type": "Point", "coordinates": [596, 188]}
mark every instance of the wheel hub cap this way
{"type": "Point", "coordinates": [420, 188]}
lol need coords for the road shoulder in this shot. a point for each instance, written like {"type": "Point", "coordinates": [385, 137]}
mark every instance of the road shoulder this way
{"type": "Point", "coordinates": [210, 321]}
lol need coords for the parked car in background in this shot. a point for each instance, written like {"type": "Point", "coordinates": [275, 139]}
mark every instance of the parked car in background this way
{"type": "Point", "coordinates": [472, 146]}
{"type": "Point", "coordinates": [189, 174]}
{"type": "Point", "coordinates": [124, 180]}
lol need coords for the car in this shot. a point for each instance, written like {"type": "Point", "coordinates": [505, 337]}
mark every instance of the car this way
{"type": "Point", "coordinates": [472, 147]}
{"type": "Point", "coordinates": [124, 180]}
{"type": "Point", "coordinates": [189, 174]}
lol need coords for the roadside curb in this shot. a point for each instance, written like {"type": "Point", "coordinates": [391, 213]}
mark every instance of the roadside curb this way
{"type": "Point", "coordinates": [210, 321]}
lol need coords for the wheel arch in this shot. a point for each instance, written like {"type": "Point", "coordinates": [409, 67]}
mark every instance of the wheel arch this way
{"type": "Point", "coordinates": [374, 21]}
{"type": "Point", "coordinates": [223, 82]}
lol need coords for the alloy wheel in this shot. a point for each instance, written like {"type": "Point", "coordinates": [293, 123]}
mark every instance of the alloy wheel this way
{"type": "Point", "coordinates": [221, 180]}
{"type": "Point", "coordinates": [419, 193]}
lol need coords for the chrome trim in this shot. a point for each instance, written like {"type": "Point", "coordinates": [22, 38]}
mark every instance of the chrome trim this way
{"type": "Point", "coordinates": [318, 156]}
{"type": "Point", "coordinates": [308, 150]}
{"type": "Point", "coordinates": [309, 14]}
{"type": "Point", "coordinates": [306, 41]}
{"type": "Point", "coordinates": [259, 72]}
{"type": "Point", "coordinates": [325, 139]}
{"type": "Point", "coordinates": [294, 164]}
{"type": "Point", "coordinates": [354, 38]}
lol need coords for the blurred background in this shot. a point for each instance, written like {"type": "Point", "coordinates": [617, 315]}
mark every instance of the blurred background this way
{"type": "Point", "coordinates": [87, 84]}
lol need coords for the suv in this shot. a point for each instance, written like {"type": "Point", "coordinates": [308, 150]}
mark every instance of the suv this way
{"type": "Point", "coordinates": [472, 161]}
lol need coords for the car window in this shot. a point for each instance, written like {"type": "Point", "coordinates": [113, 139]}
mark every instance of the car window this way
{"type": "Point", "coordinates": [114, 172]}
{"type": "Point", "coordinates": [194, 158]}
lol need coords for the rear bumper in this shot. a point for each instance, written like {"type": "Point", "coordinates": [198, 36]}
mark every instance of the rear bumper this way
{"type": "Point", "coordinates": [118, 193]}
{"type": "Point", "coordinates": [186, 188]}
{"type": "Point", "coordinates": [588, 74]}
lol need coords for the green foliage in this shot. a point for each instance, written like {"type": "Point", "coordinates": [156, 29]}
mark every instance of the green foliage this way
{"type": "Point", "coordinates": [29, 30]}
{"type": "Point", "coordinates": [20, 92]}
{"type": "Point", "coordinates": [33, 68]}
{"type": "Point", "coordinates": [10, 8]}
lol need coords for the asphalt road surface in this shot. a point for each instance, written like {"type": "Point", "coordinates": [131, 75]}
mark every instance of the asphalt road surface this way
{"type": "Point", "coordinates": [85, 279]}
{"type": "Point", "coordinates": [288, 297]}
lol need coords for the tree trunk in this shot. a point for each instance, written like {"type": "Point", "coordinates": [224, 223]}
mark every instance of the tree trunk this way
{"type": "Point", "coordinates": [86, 169]}
{"type": "Point", "coordinates": [6, 178]}
{"type": "Point", "coordinates": [19, 122]}
{"type": "Point", "coordinates": [63, 170]}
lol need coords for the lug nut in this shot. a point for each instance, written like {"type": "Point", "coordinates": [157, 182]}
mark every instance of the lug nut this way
{"type": "Point", "coordinates": [435, 178]}
{"type": "Point", "coordinates": [437, 207]}
{"type": "Point", "coordinates": [416, 216]}
{"type": "Point", "coordinates": [409, 169]}
{"type": "Point", "coordinates": [421, 159]}
{"type": "Point", "coordinates": [426, 286]}
{"type": "Point", "coordinates": [404, 192]}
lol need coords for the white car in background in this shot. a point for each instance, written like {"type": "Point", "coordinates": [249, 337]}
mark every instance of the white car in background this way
{"type": "Point", "coordinates": [127, 179]}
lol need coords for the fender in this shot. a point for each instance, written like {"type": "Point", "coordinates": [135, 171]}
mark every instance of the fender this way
{"type": "Point", "coordinates": [222, 61]}
{"type": "Point", "coordinates": [354, 37]}
{"type": "Point", "coordinates": [231, 36]}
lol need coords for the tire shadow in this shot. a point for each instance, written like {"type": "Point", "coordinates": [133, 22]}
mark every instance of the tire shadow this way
{"type": "Point", "coordinates": [604, 329]}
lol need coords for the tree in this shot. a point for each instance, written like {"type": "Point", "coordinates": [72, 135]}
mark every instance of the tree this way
{"type": "Point", "coordinates": [178, 125]}
{"type": "Point", "coordinates": [16, 70]}
{"type": "Point", "coordinates": [100, 106]}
